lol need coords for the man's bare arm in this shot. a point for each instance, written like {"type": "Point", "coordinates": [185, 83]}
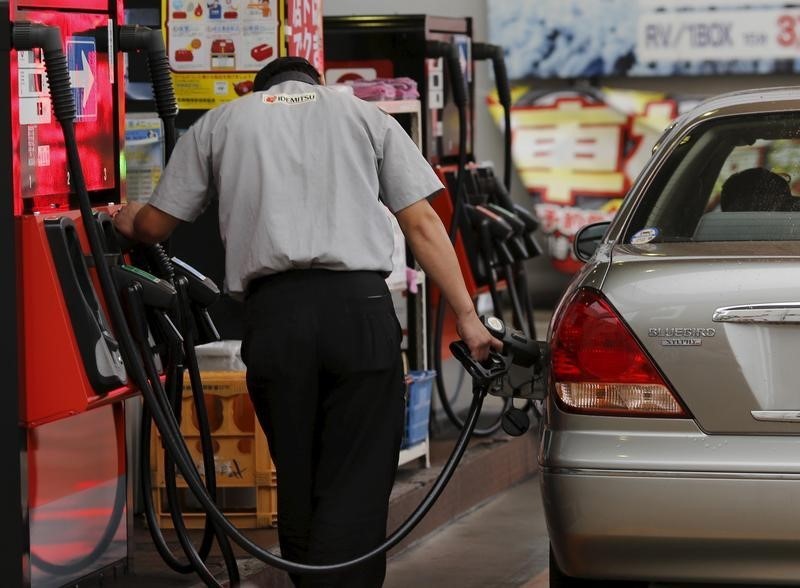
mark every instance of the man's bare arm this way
{"type": "Point", "coordinates": [432, 249]}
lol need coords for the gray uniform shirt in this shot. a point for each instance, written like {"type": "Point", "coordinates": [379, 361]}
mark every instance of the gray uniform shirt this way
{"type": "Point", "coordinates": [302, 173]}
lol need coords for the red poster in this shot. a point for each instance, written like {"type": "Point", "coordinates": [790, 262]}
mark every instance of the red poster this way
{"type": "Point", "coordinates": [304, 36]}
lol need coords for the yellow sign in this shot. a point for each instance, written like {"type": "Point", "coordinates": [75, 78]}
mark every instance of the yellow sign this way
{"type": "Point", "coordinates": [577, 155]}
{"type": "Point", "coordinates": [215, 47]}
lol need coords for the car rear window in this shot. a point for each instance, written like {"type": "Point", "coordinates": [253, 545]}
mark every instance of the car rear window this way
{"type": "Point", "coordinates": [729, 179]}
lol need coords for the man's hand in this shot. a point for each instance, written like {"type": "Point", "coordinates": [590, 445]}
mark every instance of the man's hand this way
{"type": "Point", "coordinates": [123, 220]}
{"type": "Point", "coordinates": [144, 223]}
{"type": "Point", "coordinates": [475, 335]}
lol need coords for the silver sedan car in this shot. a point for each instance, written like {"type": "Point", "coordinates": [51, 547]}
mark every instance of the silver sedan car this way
{"type": "Point", "coordinates": [670, 450]}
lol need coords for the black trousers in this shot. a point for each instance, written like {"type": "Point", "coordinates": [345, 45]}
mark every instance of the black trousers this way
{"type": "Point", "coordinates": [324, 371]}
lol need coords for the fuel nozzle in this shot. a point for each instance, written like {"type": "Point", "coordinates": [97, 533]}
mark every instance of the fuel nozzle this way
{"type": "Point", "coordinates": [493, 233]}
{"type": "Point", "coordinates": [201, 289]}
{"type": "Point", "coordinates": [105, 226]}
{"type": "Point", "coordinates": [523, 351]}
{"type": "Point", "coordinates": [487, 374]}
{"type": "Point", "coordinates": [201, 292]}
{"type": "Point", "coordinates": [531, 225]}
{"type": "Point", "coordinates": [155, 292]}
{"type": "Point", "coordinates": [516, 243]}
{"type": "Point", "coordinates": [522, 220]}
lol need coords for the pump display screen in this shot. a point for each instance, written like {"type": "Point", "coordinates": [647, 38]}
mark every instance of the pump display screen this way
{"type": "Point", "coordinates": [40, 159]}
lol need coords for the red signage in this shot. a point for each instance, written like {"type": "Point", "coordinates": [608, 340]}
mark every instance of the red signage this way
{"type": "Point", "coordinates": [304, 35]}
{"type": "Point", "coordinates": [40, 158]}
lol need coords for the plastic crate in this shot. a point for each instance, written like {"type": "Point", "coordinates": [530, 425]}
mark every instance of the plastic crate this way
{"type": "Point", "coordinates": [244, 470]}
{"type": "Point", "coordinates": [419, 385]}
{"type": "Point", "coordinates": [247, 508]}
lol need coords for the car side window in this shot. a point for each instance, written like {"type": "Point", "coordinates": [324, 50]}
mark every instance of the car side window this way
{"type": "Point", "coordinates": [734, 179]}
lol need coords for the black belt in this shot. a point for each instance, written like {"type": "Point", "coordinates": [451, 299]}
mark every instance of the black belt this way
{"type": "Point", "coordinates": [257, 284]}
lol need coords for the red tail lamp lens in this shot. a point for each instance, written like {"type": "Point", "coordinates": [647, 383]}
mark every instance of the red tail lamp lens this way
{"type": "Point", "coordinates": [599, 367]}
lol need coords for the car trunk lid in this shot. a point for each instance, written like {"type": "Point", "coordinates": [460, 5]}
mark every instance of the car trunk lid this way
{"type": "Point", "coordinates": [722, 323]}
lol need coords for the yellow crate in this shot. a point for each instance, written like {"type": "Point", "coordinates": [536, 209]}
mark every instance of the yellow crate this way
{"type": "Point", "coordinates": [254, 511]}
{"type": "Point", "coordinates": [241, 457]}
{"type": "Point", "coordinates": [228, 405]}
{"type": "Point", "coordinates": [239, 460]}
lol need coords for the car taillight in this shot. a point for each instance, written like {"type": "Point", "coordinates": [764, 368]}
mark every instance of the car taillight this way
{"type": "Point", "coordinates": [598, 366]}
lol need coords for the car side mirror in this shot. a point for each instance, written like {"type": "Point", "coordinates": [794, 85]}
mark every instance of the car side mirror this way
{"type": "Point", "coordinates": [588, 239]}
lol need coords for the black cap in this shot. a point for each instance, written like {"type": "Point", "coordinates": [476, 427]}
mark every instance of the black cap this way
{"type": "Point", "coordinates": [282, 65]}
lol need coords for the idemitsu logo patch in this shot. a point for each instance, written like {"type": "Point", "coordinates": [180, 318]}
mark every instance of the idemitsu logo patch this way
{"type": "Point", "coordinates": [289, 98]}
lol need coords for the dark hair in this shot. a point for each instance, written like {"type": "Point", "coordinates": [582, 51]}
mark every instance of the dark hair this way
{"type": "Point", "coordinates": [284, 65]}
{"type": "Point", "coordinates": [756, 189]}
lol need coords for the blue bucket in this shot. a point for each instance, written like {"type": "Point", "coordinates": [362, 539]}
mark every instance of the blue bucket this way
{"type": "Point", "coordinates": [419, 385]}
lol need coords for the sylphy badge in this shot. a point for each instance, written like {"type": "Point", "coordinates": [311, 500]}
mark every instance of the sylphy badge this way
{"type": "Point", "coordinates": [681, 336]}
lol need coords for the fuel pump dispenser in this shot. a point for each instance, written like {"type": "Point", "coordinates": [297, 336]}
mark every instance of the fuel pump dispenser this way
{"type": "Point", "coordinates": [67, 401]}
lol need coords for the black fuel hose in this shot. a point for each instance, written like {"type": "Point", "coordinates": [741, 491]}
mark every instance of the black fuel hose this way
{"type": "Point", "coordinates": [196, 562]}
{"type": "Point", "coordinates": [451, 56]}
{"type": "Point", "coordinates": [201, 412]}
{"type": "Point", "coordinates": [175, 389]}
{"type": "Point", "coordinates": [160, 263]}
{"type": "Point", "coordinates": [132, 38]}
{"type": "Point", "coordinates": [174, 380]}
{"type": "Point", "coordinates": [146, 482]}
{"type": "Point", "coordinates": [496, 54]}
{"type": "Point", "coordinates": [485, 250]}
{"type": "Point", "coordinates": [174, 394]}
{"type": "Point", "coordinates": [135, 38]}
{"type": "Point", "coordinates": [162, 416]}
{"type": "Point", "coordinates": [27, 36]}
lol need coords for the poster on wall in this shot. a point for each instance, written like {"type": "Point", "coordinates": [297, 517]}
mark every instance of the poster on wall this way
{"type": "Point", "coordinates": [600, 38]}
{"type": "Point", "coordinates": [215, 47]}
{"type": "Point", "coordinates": [304, 33]}
{"type": "Point", "coordinates": [144, 154]}
{"type": "Point", "coordinates": [578, 151]}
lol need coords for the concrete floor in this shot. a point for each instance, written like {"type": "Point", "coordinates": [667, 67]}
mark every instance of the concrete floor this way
{"type": "Point", "coordinates": [501, 544]}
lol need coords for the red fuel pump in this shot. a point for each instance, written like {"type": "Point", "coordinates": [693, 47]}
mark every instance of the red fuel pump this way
{"type": "Point", "coordinates": [68, 379]}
